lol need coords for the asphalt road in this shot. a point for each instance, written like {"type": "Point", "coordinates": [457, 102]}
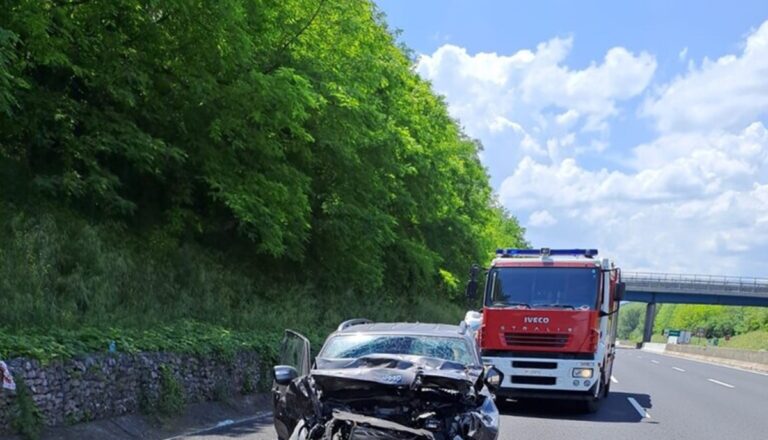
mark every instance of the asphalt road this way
{"type": "Point", "coordinates": [653, 397]}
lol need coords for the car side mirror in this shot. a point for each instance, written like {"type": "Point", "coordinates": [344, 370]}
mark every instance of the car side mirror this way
{"type": "Point", "coordinates": [471, 291]}
{"type": "Point", "coordinates": [493, 378]}
{"type": "Point", "coordinates": [620, 289]}
{"type": "Point", "coordinates": [284, 374]}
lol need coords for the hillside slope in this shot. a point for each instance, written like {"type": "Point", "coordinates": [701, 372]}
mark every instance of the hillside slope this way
{"type": "Point", "coordinates": [251, 165]}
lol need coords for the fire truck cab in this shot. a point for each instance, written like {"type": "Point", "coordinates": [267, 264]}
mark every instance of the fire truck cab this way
{"type": "Point", "coordinates": [548, 323]}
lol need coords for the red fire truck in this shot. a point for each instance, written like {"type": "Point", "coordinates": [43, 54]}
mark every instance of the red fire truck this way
{"type": "Point", "coordinates": [548, 322]}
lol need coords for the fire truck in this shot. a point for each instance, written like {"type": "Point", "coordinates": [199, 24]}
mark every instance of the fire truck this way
{"type": "Point", "coordinates": [548, 323]}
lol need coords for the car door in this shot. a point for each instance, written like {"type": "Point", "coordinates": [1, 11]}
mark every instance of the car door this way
{"type": "Point", "coordinates": [294, 351]}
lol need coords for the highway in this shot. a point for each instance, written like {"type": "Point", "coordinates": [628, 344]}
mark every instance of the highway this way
{"type": "Point", "coordinates": [653, 397]}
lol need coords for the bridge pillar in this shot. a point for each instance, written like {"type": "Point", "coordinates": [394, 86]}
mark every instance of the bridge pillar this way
{"type": "Point", "coordinates": [650, 316]}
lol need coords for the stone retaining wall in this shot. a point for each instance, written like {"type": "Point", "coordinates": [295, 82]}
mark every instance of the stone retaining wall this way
{"type": "Point", "coordinates": [758, 357]}
{"type": "Point", "coordinates": [108, 385]}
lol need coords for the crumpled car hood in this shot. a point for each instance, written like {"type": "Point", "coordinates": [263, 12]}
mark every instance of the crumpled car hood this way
{"type": "Point", "coordinates": [391, 397]}
{"type": "Point", "coordinates": [399, 371]}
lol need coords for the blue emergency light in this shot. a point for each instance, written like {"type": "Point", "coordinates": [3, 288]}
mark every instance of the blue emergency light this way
{"type": "Point", "coordinates": [544, 252]}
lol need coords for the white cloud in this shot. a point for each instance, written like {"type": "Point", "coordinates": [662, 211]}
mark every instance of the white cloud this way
{"type": "Point", "coordinates": [724, 93]}
{"type": "Point", "coordinates": [535, 90]}
{"type": "Point", "coordinates": [672, 168]}
{"type": "Point", "coordinates": [541, 219]}
{"type": "Point", "coordinates": [693, 199]}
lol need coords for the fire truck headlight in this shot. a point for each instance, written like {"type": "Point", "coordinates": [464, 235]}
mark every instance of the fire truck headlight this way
{"type": "Point", "coordinates": [584, 373]}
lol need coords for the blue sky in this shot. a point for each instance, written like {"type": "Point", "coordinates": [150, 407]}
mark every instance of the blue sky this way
{"type": "Point", "coordinates": [639, 128]}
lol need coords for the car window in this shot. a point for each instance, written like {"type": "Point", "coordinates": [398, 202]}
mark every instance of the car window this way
{"type": "Point", "coordinates": [355, 346]}
{"type": "Point", "coordinates": [293, 352]}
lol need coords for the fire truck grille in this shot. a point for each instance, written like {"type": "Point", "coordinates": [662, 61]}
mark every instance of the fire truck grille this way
{"type": "Point", "coordinates": [534, 380]}
{"type": "Point", "coordinates": [550, 340]}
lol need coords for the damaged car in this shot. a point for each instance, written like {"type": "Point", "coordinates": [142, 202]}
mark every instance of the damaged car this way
{"type": "Point", "coordinates": [385, 381]}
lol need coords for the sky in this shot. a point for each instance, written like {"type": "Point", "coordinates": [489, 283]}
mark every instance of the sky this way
{"type": "Point", "coordinates": [639, 129]}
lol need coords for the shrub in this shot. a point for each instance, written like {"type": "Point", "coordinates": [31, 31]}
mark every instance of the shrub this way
{"type": "Point", "coordinates": [170, 400]}
{"type": "Point", "coordinates": [248, 385]}
{"type": "Point", "coordinates": [26, 418]}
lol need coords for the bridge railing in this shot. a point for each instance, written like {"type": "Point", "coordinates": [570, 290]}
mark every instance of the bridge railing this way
{"type": "Point", "coordinates": [685, 283]}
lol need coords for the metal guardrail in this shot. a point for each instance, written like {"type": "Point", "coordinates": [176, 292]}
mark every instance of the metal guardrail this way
{"type": "Point", "coordinates": [696, 284]}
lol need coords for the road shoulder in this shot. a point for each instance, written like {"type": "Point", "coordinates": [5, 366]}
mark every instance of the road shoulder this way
{"type": "Point", "coordinates": [198, 417]}
{"type": "Point", "coordinates": [750, 367]}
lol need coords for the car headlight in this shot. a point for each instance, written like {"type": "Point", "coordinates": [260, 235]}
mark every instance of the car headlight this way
{"type": "Point", "coordinates": [584, 373]}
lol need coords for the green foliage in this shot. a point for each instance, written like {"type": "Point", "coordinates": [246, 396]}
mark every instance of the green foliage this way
{"type": "Point", "coordinates": [248, 385]}
{"type": "Point", "coordinates": [26, 418]}
{"type": "Point", "coordinates": [631, 320]}
{"type": "Point", "coordinates": [294, 128]}
{"type": "Point", "coordinates": [172, 169]}
{"type": "Point", "coordinates": [181, 337]}
{"type": "Point", "coordinates": [170, 399]}
{"type": "Point", "coordinates": [222, 391]}
{"type": "Point", "coordinates": [717, 321]}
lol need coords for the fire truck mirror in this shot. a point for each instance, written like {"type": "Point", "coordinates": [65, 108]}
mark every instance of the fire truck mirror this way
{"type": "Point", "coordinates": [620, 288]}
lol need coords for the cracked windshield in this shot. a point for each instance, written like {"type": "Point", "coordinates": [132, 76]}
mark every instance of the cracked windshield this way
{"type": "Point", "coordinates": [357, 346]}
{"type": "Point", "coordinates": [383, 219]}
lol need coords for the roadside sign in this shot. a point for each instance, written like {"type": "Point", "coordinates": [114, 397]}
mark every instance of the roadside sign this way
{"type": "Point", "coordinates": [674, 333]}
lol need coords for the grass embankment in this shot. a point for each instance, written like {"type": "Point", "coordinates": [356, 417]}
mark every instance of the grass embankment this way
{"type": "Point", "coordinates": [68, 287]}
{"type": "Point", "coordinates": [755, 340]}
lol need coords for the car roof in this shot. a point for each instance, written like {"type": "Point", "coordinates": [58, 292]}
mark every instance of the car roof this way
{"type": "Point", "coordinates": [405, 328]}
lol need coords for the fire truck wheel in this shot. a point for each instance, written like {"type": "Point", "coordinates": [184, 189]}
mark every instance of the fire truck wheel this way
{"type": "Point", "coordinates": [606, 388]}
{"type": "Point", "coordinates": [592, 405]}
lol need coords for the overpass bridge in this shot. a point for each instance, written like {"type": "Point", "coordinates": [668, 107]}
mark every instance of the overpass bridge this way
{"type": "Point", "coordinates": [653, 288]}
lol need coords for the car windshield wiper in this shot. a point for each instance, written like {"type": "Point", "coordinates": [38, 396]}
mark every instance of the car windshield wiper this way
{"type": "Point", "coordinates": [556, 306]}
{"type": "Point", "coordinates": [506, 304]}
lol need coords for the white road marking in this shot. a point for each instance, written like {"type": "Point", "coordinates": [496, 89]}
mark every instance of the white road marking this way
{"type": "Point", "coordinates": [654, 361]}
{"type": "Point", "coordinates": [613, 379]}
{"type": "Point", "coordinates": [721, 383]}
{"type": "Point", "coordinates": [678, 369]}
{"type": "Point", "coordinates": [643, 413]}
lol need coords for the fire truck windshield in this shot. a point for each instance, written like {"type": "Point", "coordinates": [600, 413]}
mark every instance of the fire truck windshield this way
{"type": "Point", "coordinates": [543, 287]}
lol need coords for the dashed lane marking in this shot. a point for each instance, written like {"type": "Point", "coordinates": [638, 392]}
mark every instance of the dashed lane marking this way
{"type": "Point", "coordinates": [727, 385]}
{"type": "Point", "coordinates": [654, 361]}
{"type": "Point", "coordinates": [640, 410]}
{"type": "Point", "coordinates": [678, 369]}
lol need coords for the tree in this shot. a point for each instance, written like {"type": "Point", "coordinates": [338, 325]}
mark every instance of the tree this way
{"type": "Point", "coordinates": [631, 320]}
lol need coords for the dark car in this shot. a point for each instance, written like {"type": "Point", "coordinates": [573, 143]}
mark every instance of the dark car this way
{"type": "Point", "coordinates": [385, 381]}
